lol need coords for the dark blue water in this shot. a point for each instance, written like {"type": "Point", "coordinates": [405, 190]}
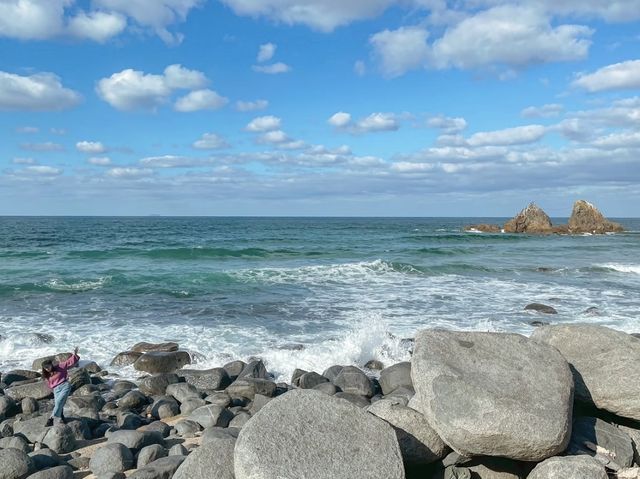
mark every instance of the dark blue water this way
{"type": "Point", "coordinates": [299, 292]}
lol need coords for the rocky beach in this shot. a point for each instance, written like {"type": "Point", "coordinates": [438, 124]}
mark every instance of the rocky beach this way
{"type": "Point", "coordinates": [562, 403]}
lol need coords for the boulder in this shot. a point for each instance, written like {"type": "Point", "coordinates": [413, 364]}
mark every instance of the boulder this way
{"type": "Point", "coordinates": [311, 380]}
{"type": "Point", "coordinates": [136, 440]}
{"type": "Point", "coordinates": [247, 387]}
{"type": "Point", "coordinates": [15, 464]}
{"type": "Point", "coordinates": [332, 372]}
{"type": "Point", "coordinates": [16, 375]}
{"type": "Point", "coordinates": [211, 415]}
{"type": "Point", "coordinates": [254, 369]}
{"type": "Point", "coordinates": [214, 379]}
{"type": "Point", "coordinates": [604, 364]}
{"type": "Point", "coordinates": [182, 391]}
{"type": "Point", "coordinates": [36, 390]}
{"type": "Point", "coordinates": [8, 406]}
{"type": "Point", "coordinates": [165, 407]}
{"type": "Point", "coordinates": [113, 457]}
{"type": "Point", "coordinates": [45, 458]}
{"type": "Point", "coordinates": [78, 377]}
{"type": "Point", "coordinates": [493, 394]}
{"type": "Point", "coordinates": [234, 368]}
{"type": "Point", "coordinates": [178, 450]}
{"type": "Point", "coordinates": [396, 376]}
{"type": "Point", "coordinates": [352, 380]}
{"type": "Point", "coordinates": [374, 365]}
{"type": "Point", "coordinates": [327, 388]}
{"type": "Point", "coordinates": [609, 445]}
{"type": "Point", "coordinates": [56, 358]}
{"type": "Point", "coordinates": [156, 385]}
{"type": "Point", "coordinates": [240, 420]}
{"type": "Point", "coordinates": [29, 405]}
{"type": "Point", "coordinates": [163, 468]}
{"type": "Point", "coordinates": [157, 426]}
{"type": "Point", "coordinates": [483, 228]}
{"type": "Point", "coordinates": [311, 434]}
{"type": "Point", "coordinates": [162, 362]}
{"type": "Point", "coordinates": [58, 472]}
{"type": "Point", "coordinates": [532, 220]}
{"type": "Point", "coordinates": [569, 467]}
{"type": "Point", "coordinates": [15, 442]}
{"type": "Point", "coordinates": [191, 404]}
{"type": "Point", "coordinates": [540, 308]}
{"type": "Point", "coordinates": [187, 428]}
{"type": "Point", "coordinates": [128, 420]}
{"type": "Point", "coordinates": [133, 400]}
{"type": "Point", "coordinates": [125, 358]}
{"type": "Point", "coordinates": [419, 443]}
{"type": "Point", "coordinates": [634, 434]}
{"type": "Point", "coordinates": [209, 460]}
{"type": "Point", "coordinates": [144, 347]}
{"type": "Point", "coordinates": [148, 454]}
{"type": "Point", "coordinates": [356, 399]}
{"type": "Point", "coordinates": [59, 438]}
{"type": "Point", "coordinates": [219, 434]}
{"type": "Point", "coordinates": [30, 429]}
{"type": "Point", "coordinates": [586, 218]}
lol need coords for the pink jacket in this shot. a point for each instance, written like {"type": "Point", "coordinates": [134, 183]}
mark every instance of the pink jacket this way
{"type": "Point", "coordinates": [60, 371]}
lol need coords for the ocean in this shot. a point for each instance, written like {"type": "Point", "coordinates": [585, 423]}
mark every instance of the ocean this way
{"type": "Point", "coordinates": [297, 292]}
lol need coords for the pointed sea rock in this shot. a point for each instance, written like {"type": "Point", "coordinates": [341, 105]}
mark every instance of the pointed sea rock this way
{"type": "Point", "coordinates": [586, 218]}
{"type": "Point", "coordinates": [531, 220]}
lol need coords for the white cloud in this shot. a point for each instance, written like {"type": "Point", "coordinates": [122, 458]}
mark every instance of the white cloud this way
{"type": "Point", "coordinates": [511, 136]}
{"type": "Point", "coordinates": [274, 136]}
{"type": "Point", "coordinates": [513, 35]}
{"type": "Point", "coordinates": [129, 172]}
{"type": "Point", "coordinates": [132, 89]}
{"type": "Point", "coordinates": [266, 52]}
{"type": "Point", "coordinates": [448, 125]}
{"type": "Point", "coordinates": [273, 69]}
{"type": "Point", "coordinates": [171, 161]}
{"type": "Point", "coordinates": [360, 68]}
{"type": "Point", "coordinates": [211, 141]}
{"type": "Point", "coordinates": [200, 100]}
{"type": "Point", "coordinates": [544, 111]}
{"type": "Point", "coordinates": [38, 92]}
{"type": "Point", "coordinates": [23, 161]}
{"type": "Point", "coordinates": [411, 167]}
{"type": "Point", "coordinates": [264, 123]}
{"type": "Point", "coordinates": [251, 105]}
{"type": "Point", "coordinates": [99, 161]}
{"type": "Point", "coordinates": [401, 50]}
{"type": "Point", "coordinates": [340, 119]}
{"type": "Point", "coordinates": [97, 26]}
{"type": "Point", "coordinates": [42, 170]}
{"type": "Point", "coordinates": [323, 15]}
{"type": "Point", "coordinates": [377, 122]}
{"type": "Point", "coordinates": [627, 139]}
{"type": "Point", "coordinates": [32, 19]}
{"type": "Point", "coordinates": [624, 75]}
{"type": "Point", "coordinates": [46, 146]}
{"type": "Point", "coordinates": [27, 129]}
{"type": "Point", "coordinates": [92, 147]}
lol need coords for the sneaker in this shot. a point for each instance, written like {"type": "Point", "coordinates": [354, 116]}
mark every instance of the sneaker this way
{"type": "Point", "coordinates": [49, 422]}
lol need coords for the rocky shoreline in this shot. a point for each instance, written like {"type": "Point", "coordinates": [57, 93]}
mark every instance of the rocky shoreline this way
{"type": "Point", "coordinates": [564, 403]}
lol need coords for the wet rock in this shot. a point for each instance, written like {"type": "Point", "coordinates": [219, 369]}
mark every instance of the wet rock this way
{"type": "Point", "coordinates": [125, 358]}
{"type": "Point", "coordinates": [483, 228]}
{"type": "Point", "coordinates": [15, 464]}
{"type": "Point", "coordinates": [254, 369]}
{"type": "Point", "coordinates": [156, 385]}
{"type": "Point", "coordinates": [214, 379]}
{"type": "Point", "coordinates": [210, 416]}
{"type": "Point", "coordinates": [149, 454]}
{"type": "Point", "coordinates": [315, 435]}
{"type": "Point", "coordinates": [352, 380]}
{"type": "Point", "coordinates": [493, 394]}
{"type": "Point", "coordinates": [569, 467]}
{"type": "Point", "coordinates": [604, 364]}
{"type": "Point", "coordinates": [374, 365]}
{"type": "Point", "coordinates": [311, 380]}
{"type": "Point", "coordinates": [112, 457]}
{"type": "Point", "coordinates": [209, 460]}
{"type": "Point", "coordinates": [532, 220]}
{"type": "Point", "coordinates": [162, 362]}
{"type": "Point", "coordinates": [297, 374]}
{"type": "Point", "coordinates": [396, 376]}
{"type": "Point", "coordinates": [419, 443]}
{"type": "Point", "coordinates": [332, 373]}
{"type": "Point", "coordinates": [154, 347]}
{"type": "Point", "coordinates": [540, 308]}
{"type": "Point", "coordinates": [234, 368]}
{"type": "Point", "coordinates": [610, 445]}
{"type": "Point", "coordinates": [586, 218]}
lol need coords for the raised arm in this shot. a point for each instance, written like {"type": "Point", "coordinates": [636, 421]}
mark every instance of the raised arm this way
{"type": "Point", "coordinates": [72, 361]}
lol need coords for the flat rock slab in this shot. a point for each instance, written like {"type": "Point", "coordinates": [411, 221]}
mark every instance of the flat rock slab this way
{"type": "Point", "coordinates": [569, 467]}
{"type": "Point", "coordinates": [493, 394]}
{"type": "Point", "coordinates": [604, 363]}
{"type": "Point", "coordinates": [306, 433]}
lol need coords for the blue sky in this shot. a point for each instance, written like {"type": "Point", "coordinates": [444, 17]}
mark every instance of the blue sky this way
{"type": "Point", "coordinates": [310, 107]}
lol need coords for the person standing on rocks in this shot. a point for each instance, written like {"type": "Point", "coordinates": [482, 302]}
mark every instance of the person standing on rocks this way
{"type": "Point", "coordinates": [57, 380]}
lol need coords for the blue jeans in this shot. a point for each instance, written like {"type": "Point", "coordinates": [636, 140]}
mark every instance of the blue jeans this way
{"type": "Point", "coordinates": [60, 394]}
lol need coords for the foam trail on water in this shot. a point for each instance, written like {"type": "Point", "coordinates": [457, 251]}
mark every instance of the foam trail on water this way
{"type": "Point", "coordinates": [622, 268]}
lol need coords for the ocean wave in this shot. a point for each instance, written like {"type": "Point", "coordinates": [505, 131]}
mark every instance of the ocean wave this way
{"type": "Point", "coordinates": [621, 268]}
{"type": "Point", "coordinates": [56, 284]}
{"type": "Point", "coordinates": [191, 253]}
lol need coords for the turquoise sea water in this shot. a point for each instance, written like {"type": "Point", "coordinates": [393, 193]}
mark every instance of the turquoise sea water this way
{"type": "Point", "coordinates": [297, 292]}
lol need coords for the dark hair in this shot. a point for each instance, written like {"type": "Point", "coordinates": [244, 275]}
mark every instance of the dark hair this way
{"type": "Point", "coordinates": [47, 374]}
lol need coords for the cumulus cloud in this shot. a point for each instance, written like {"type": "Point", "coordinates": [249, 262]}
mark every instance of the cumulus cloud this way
{"type": "Point", "coordinates": [340, 119]}
{"type": "Point", "coordinates": [129, 172]}
{"type": "Point", "coordinates": [46, 146]}
{"type": "Point", "coordinates": [171, 161]}
{"type": "Point", "coordinates": [99, 161]}
{"type": "Point", "coordinates": [38, 92]}
{"type": "Point", "coordinates": [251, 105]}
{"type": "Point", "coordinates": [273, 69]}
{"type": "Point", "coordinates": [544, 111]}
{"type": "Point", "coordinates": [627, 139]}
{"type": "Point", "coordinates": [273, 137]}
{"type": "Point", "coordinates": [375, 122]}
{"type": "Point", "coordinates": [41, 170]}
{"type": "Point", "coordinates": [132, 89]}
{"type": "Point", "coordinates": [201, 100]}
{"type": "Point", "coordinates": [211, 141]}
{"type": "Point", "coordinates": [98, 26]}
{"type": "Point", "coordinates": [619, 76]}
{"type": "Point", "coordinates": [448, 125]}
{"type": "Point", "coordinates": [92, 147]}
{"type": "Point", "coordinates": [401, 50]}
{"type": "Point", "coordinates": [511, 136]}
{"type": "Point", "coordinates": [266, 52]}
{"type": "Point", "coordinates": [264, 123]}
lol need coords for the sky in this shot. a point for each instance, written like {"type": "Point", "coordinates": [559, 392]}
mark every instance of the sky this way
{"type": "Point", "coordinates": [318, 107]}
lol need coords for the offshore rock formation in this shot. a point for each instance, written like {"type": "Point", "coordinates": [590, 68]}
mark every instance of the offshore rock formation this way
{"type": "Point", "coordinates": [530, 220]}
{"type": "Point", "coordinates": [586, 218]}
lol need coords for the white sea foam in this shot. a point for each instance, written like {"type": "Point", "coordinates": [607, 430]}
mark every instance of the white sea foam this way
{"type": "Point", "coordinates": [622, 268]}
{"type": "Point", "coordinates": [81, 285]}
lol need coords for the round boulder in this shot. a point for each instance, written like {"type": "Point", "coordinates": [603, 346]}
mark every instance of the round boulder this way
{"type": "Point", "coordinates": [162, 362]}
{"type": "Point", "coordinates": [58, 472]}
{"type": "Point", "coordinates": [311, 434]}
{"type": "Point", "coordinates": [209, 460]}
{"type": "Point", "coordinates": [569, 467]}
{"type": "Point", "coordinates": [15, 464]}
{"type": "Point", "coordinates": [112, 457]}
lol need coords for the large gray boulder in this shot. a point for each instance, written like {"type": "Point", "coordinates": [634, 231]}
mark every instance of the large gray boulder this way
{"type": "Point", "coordinates": [311, 434]}
{"type": "Point", "coordinates": [610, 445]}
{"type": "Point", "coordinates": [112, 457]}
{"type": "Point", "coordinates": [604, 364]}
{"type": "Point", "coordinates": [210, 379]}
{"type": "Point", "coordinates": [59, 438]}
{"type": "Point", "coordinates": [36, 390]}
{"type": "Point", "coordinates": [396, 376]}
{"type": "Point", "coordinates": [182, 391]}
{"type": "Point", "coordinates": [162, 362]}
{"type": "Point", "coordinates": [148, 454]}
{"type": "Point", "coordinates": [163, 468]}
{"type": "Point", "coordinates": [419, 443]}
{"type": "Point", "coordinates": [352, 380]}
{"type": "Point", "coordinates": [15, 464]}
{"type": "Point", "coordinates": [156, 385]}
{"type": "Point", "coordinates": [214, 459]}
{"type": "Point", "coordinates": [211, 415]}
{"type": "Point", "coordinates": [569, 467]}
{"type": "Point", "coordinates": [135, 440]}
{"type": "Point", "coordinates": [493, 394]}
{"type": "Point", "coordinates": [58, 472]}
{"type": "Point", "coordinates": [248, 387]}
{"type": "Point", "coordinates": [31, 429]}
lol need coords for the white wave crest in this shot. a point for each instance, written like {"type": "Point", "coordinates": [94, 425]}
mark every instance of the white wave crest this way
{"type": "Point", "coordinates": [82, 285]}
{"type": "Point", "coordinates": [622, 268]}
